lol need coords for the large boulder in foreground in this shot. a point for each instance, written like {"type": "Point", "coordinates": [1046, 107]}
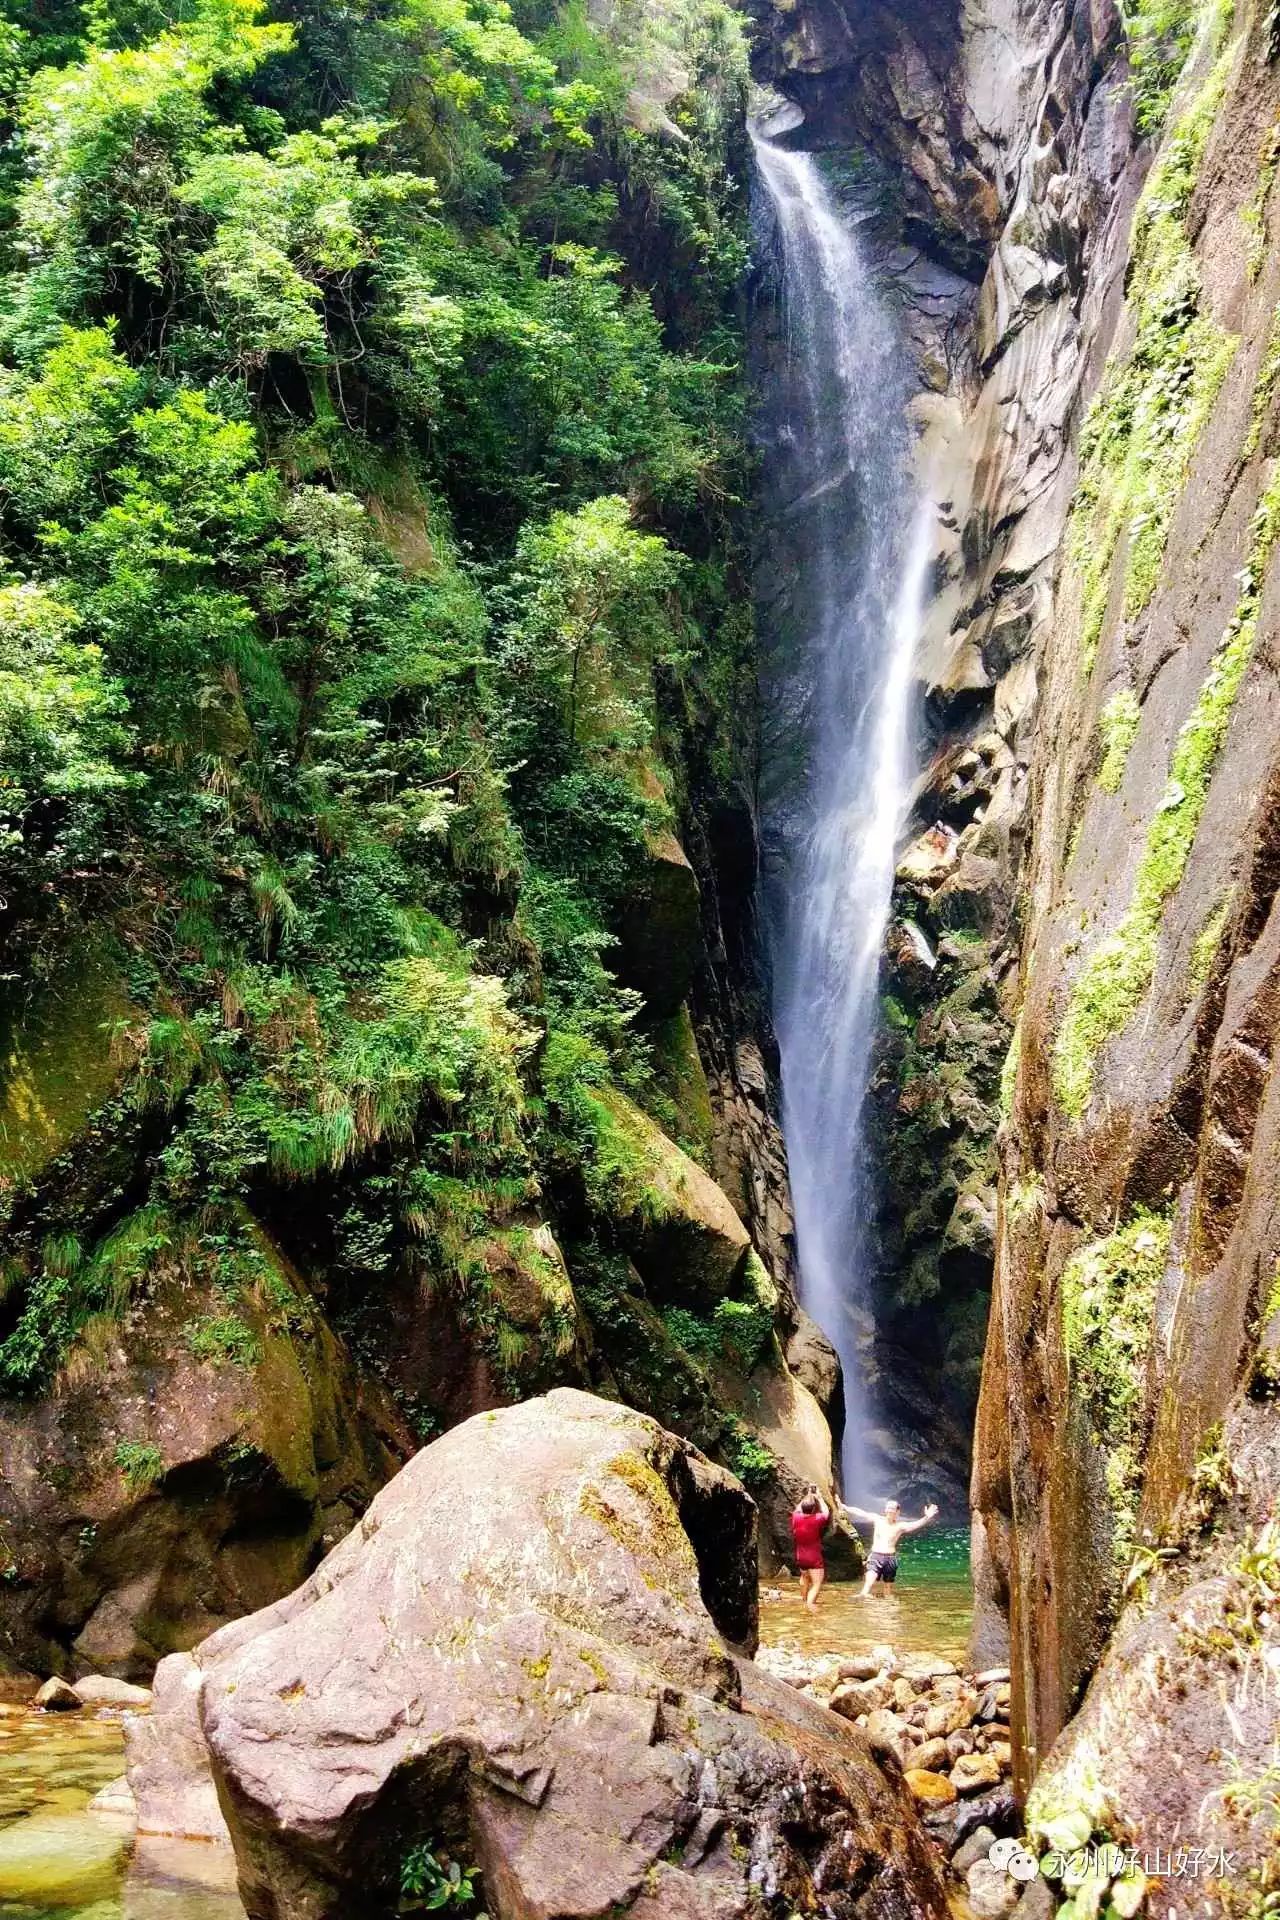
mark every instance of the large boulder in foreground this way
{"type": "Point", "coordinates": [520, 1657]}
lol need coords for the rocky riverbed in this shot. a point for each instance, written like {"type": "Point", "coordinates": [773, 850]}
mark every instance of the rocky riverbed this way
{"type": "Point", "coordinates": [945, 1732]}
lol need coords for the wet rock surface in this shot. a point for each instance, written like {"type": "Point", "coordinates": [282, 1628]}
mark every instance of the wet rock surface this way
{"type": "Point", "coordinates": [522, 1650]}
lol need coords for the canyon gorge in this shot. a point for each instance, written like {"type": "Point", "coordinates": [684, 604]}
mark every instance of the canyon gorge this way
{"type": "Point", "coordinates": [639, 777]}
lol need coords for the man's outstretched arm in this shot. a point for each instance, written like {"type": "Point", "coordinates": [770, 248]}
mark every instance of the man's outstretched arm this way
{"type": "Point", "coordinates": [914, 1526]}
{"type": "Point", "coordinates": [859, 1513]}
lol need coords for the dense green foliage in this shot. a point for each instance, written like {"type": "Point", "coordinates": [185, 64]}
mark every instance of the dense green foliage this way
{"type": "Point", "coordinates": [369, 536]}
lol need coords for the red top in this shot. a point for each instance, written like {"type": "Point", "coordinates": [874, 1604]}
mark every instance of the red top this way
{"type": "Point", "coordinates": [807, 1530]}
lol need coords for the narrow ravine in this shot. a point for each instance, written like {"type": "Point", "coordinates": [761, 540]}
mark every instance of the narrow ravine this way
{"type": "Point", "coordinates": [844, 558]}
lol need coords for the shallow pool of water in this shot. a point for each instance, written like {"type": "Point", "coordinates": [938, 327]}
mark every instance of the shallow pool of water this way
{"type": "Point", "coordinates": [928, 1610]}
{"type": "Point", "coordinates": [59, 1861]}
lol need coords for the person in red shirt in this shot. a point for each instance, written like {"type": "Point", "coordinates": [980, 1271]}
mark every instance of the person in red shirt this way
{"type": "Point", "coordinates": [808, 1524]}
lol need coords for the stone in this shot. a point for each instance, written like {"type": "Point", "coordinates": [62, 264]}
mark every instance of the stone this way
{"type": "Point", "coordinates": [948, 1716]}
{"type": "Point", "coordinates": [309, 1438]}
{"type": "Point", "coordinates": [933, 1755]}
{"type": "Point", "coordinates": [993, 1677]}
{"type": "Point", "coordinates": [863, 1666]}
{"type": "Point", "coordinates": [1037, 1901]}
{"type": "Point", "coordinates": [55, 1696]}
{"type": "Point", "coordinates": [168, 1760]}
{"type": "Point", "coordinates": [976, 1847]}
{"type": "Point", "coordinates": [887, 1735]}
{"type": "Point", "coordinates": [929, 1669]}
{"type": "Point", "coordinates": [524, 1647]}
{"type": "Point", "coordinates": [993, 1894]}
{"type": "Point", "coordinates": [960, 1743]}
{"type": "Point", "coordinates": [101, 1690]}
{"type": "Point", "coordinates": [660, 927]}
{"type": "Point", "coordinates": [933, 1789]}
{"type": "Point", "coordinates": [973, 1771]}
{"type": "Point", "coordinates": [858, 1698]}
{"type": "Point", "coordinates": [997, 1809]}
{"type": "Point", "coordinates": [116, 1798]}
{"type": "Point", "coordinates": [903, 1694]}
{"type": "Point", "coordinates": [1001, 1752]}
{"type": "Point", "coordinates": [17, 1687]}
{"type": "Point", "coordinates": [816, 1364]}
{"type": "Point", "coordinates": [687, 1242]}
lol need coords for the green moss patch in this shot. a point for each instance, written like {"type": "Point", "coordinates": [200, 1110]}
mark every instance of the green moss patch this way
{"type": "Point", "coordinates": [58, 1062]}
{"type": "Point", "coordinates": [1108, 1295]}
{"type": "Point", "coordinates": [1118, 728]}
{"type": "Point", "coordinates": [1116, 976]}
{"type": "Point", "coordinates": [1143, 428]}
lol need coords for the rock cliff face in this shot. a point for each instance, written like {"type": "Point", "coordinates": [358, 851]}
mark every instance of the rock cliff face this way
{"type": "Point", "coordinates": [1081, 224]}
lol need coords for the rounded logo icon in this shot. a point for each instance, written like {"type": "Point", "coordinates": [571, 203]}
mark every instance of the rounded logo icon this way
{"type": "Point", "coordinates": [1023, 1865]}
{"type": "Point", "coordinates": [1003, 1851]}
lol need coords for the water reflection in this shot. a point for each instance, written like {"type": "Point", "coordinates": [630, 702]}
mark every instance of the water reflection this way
{"type": "Point", "coordinates": [928, 1611]}
{"type": "Point", "coordinates": [59, 1861]}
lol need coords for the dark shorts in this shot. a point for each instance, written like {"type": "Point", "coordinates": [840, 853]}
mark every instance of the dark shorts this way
{"type": "Point", "coordinates": [884, 1566]}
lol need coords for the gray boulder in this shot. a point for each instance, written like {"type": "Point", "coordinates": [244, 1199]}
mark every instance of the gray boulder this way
{"type": "Point", "coordinates": [522, 1655]}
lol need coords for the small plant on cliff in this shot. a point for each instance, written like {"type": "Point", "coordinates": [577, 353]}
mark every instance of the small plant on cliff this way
{"type": "Point", "coordinates": [1160, 35]}
{"type": "Point", "coordinates": [141, 1463]}
{"type": "Point", "coordinates": [432, 1882]}
{"type": "Point", "coordinates": [223, 1337]}
{"type": "Point", "coordinates": [750, 1459]}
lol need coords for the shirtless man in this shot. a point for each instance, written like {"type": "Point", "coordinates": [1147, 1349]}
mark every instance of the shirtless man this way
{"type": "Point", "coordinates": [887, 1529]}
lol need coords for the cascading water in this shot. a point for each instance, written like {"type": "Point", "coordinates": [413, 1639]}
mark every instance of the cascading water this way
{"type": "Point", "coordinates": [840, 584]}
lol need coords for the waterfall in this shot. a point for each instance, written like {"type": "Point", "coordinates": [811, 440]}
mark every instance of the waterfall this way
{"type": "Point", "coordinates": [840, 582]}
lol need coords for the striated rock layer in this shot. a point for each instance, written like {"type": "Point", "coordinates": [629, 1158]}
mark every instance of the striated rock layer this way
{"type": "Point", "coordinates": [521, 1657]}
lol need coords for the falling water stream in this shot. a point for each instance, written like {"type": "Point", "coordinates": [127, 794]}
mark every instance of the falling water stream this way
{"type": "Point", "coordinates": [840, 584]}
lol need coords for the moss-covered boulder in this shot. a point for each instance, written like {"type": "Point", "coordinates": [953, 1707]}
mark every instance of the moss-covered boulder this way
{"type": "Point", "coordinates": [680, 1228]}
{"type": "Point", "coordinates": [660, 925]}
{"type": "Point", "coordinates": [195, 1452]}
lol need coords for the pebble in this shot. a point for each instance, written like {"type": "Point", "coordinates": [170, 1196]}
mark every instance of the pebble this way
{"type": "Point", "coordinates": [947, 1730]}
{"type": "Point", "coordinates": [973, 1771]}
{"type": "Point", "coordinates": [993, 1893]}
{"type": "Point", "coordinates": [933, 1789]}
{"type": "Point", "coordinates": [976, 1847]}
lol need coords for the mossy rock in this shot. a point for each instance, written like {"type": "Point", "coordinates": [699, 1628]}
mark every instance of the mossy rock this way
{"type": "Point", "coordinates": [683, 1081]}
{"type": "Point", "coordinates": [660, 927]}
{"type": "Point", "coordinates": [679, 1227]}
{"type": "Point", "coordinates": [57, 1061]}
{"type": "Point", "coordinates": [187, 1463]}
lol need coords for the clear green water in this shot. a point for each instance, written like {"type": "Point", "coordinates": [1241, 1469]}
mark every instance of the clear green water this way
{"type": "Point", "coordinates": [928, 1610]}
{"type": "Point", "coordinates": [58, 1861]}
